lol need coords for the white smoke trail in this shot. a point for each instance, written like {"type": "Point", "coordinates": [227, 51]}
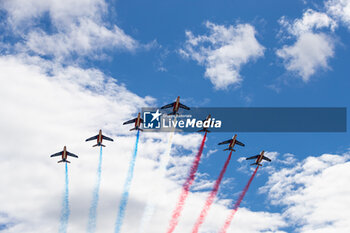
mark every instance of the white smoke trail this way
{"type": "Point", "coordinates": [161, 172]}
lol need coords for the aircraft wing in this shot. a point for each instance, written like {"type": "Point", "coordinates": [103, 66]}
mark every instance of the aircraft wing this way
{"type": "Point", "coordinates": [107, 138]}
{"type": "Point", "coordinates": [57, 154]}
{"type": "Point", "coordinates": [130, 121]}
{"type": "Point", "coordinates": [184, 106]}
{"type": "Point", "coordinates": [71, 154]}
{"type": "Point", "coordinates": [168, 105]}
{"type": "Point", "coordinates": [253, 157]}
{"type": "Point", "coordinates": [239, 143]}
{"type": "Point", "coordinates": [92, 138]}
{"type": "Point", "coordinates": [225, 142]}
{"type": "Point", "coordinates": [267, 159]}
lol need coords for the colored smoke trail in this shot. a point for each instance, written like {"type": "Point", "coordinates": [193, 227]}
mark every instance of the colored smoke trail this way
{"type": "Point", "coordinates": [65, 211]}
{"type": "Point", "coordinates": [211, 197]}
{"type": "Point", "coordinates": [125, 196]}
{"type": "Point", "coordinates": [238, 202]}
{"type": "Point", "coordinates": [146, 217]}
{"type": "Point", "coordinates": [95, 197]}
{"type": "Point", "coordinates": [161, 172]}
{"type": "Point", "coordinates": [185, 188]}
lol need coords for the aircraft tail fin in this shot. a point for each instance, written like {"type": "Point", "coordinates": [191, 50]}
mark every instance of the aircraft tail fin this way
{"type": "Point", "coordinates": [258, 164]}
{"type": "Point", "coordinates": [204, 130]}
{"type": "Point", "coordinates": [136, 129]}
{"type": "Point", "coordinates": [173, 113]}
{"type": "Point", "coordinates": [229, 149]}
{"type": "Point", "coordinates": [61, 161]}
{"type": "Point", "coordinates": [99, 145]}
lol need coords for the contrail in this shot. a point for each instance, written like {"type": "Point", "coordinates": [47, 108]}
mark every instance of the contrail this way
{"type": "Point", "coordinates": [237, 204]}
{"type": "Point", "coordinates": [185, 188]}
{"type": "Point", "coordinates": [150, 206]}
{"type": "Point", "coordinates": [65, 211]}
{"type": "Point", "coordinates": [127, 184]}
{"type": "Point", "coordinates": [95, 197]}
{"type": "Point", "coordinates": [211, 197]}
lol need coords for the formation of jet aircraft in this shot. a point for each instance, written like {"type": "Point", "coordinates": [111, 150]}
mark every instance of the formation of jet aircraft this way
{"type": "Point", "coordinates": [138, 121]}
{"type": "Point", "coordinates": [99, 137]}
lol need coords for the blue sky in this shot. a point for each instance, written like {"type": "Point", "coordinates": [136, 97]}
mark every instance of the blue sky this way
{"type": "Point", "coordinates": [166, 22]}
{"type": "Point", "coordinates": [107, 59]}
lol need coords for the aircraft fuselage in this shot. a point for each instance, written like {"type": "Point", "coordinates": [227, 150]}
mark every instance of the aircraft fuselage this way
{"type": "Point", "coordinates": [138, 121]}
{"type": "Point", "coordinates": [260, 157]}
{"type": "Point", "coordinates": [176, 105]}
{"type": "Point", "coordinates": [233, 142]}
{"type": "Point", "coordinates": [64, 153]}
{"type": "Point", "coordinates": [99, 138]}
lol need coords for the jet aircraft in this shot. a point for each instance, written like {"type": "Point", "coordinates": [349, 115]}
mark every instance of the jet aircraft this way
{"type": "Point", "coordinates": [99, 137]}
{"type": "Point", "coordinates": [232, 142]}
{"type": "Point", "coordinates": [176, 105]}
{"type": "Point", "coordinates": [138, 121]}
{"type": "Point", "coordinates": [205, 129]}
{"type": "Point", "coordinates": [64, 155]}
{"type": "Point", "coordinates": [259, 158]}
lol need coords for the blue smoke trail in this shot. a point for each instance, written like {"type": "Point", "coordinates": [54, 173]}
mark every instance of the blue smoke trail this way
{"type": "Point", "coordinates": [95, 197]}
{"type": "Point", "coordinates": [65, 211]}
{"type": "Point", "coordinates": [125, 195]}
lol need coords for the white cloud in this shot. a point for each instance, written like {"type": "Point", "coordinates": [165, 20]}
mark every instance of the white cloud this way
{"type": "Point", "coordinates": [42, 114]}
{"type": "Point", "coordinates": [339, 9]}
{"type": "Point", "coordinates": [223, 51]}
{"type": "Point", "coordinates": [311, 20]}
{"type": "Point", "coordinates": [79, 39]}
{"type": "Point", "coordinates": [315, 193]}
{"type": "Point", "coordinates": [74, 27]}
{"type": "Point", "coordinates": [312, 48]}
{"type": "Point", "coordinates": [310, 52]}
{"type": "Point", "coordinates": [62, 12]}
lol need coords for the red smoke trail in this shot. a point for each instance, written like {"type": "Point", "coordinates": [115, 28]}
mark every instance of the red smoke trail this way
{"type": "Point", "coordinates": [238, 202]}
{"type": "Point", "coordinates": [211, 197]}
{"type": "Point", "coordinates": [185, 188]}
